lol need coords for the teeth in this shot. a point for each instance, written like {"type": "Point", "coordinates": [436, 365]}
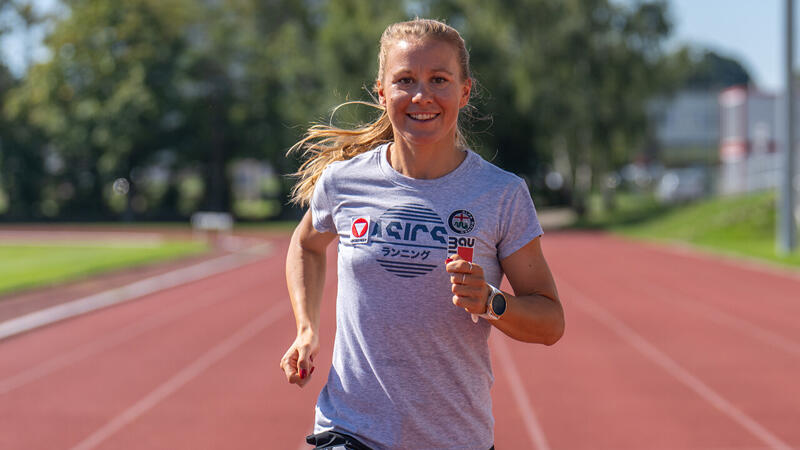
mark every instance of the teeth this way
{"type": "Point", "coordinates": [422, 116]}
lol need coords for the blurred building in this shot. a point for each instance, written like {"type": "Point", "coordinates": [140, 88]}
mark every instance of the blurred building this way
{"type": "Point", "coordinates": [748, 150]}
{"type": "Point", "coordinates": [731, 134]}
{"type": "Point", "coordinates": [687, 128]}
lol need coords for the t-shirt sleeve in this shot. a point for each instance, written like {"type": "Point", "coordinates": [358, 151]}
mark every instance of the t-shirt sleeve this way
{"type": "Point", "coordinates": [321, 207]}
{"type": "Point", "coordinates": [519, 224]}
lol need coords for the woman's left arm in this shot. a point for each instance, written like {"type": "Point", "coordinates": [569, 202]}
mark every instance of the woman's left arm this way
{"type": "Point", "coordinates": [534, 312]}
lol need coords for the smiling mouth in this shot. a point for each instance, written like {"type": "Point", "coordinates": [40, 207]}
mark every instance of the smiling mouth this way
{"type": "Point", "coordinates": [423, 117]}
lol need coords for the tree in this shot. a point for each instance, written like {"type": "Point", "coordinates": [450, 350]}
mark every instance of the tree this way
{"type": "Point", "coordinates": [21, 159]}
{"type": "Point", "coordinates": [174, 86]}
{"type": "Point", "coordinates": [706, 70]}
{"type": "Point", "coordinates": [143, 88]}
{"type": "Point", "coordinates": [564, 81]}
{"type": "Point", "coordinates": [101, 100]}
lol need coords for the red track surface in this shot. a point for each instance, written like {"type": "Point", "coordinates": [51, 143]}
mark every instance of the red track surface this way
{"type": "Point", "coordinates": [662, 350]}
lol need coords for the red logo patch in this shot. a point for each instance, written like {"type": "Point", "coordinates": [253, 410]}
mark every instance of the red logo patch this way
{"type": "Point", "coordinates": [360, 227]}
{"type": "Point", "coordinates": [359, 230]}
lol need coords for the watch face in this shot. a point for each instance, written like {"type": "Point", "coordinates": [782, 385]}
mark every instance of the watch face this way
{"type": "Point", "coordinates": [499, 304]}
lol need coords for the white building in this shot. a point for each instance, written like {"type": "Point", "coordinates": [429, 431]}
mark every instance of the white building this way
{"type": "Point", "coordinates": [687, 128]}
{"type": "Point", "coordinates": [750, 159]}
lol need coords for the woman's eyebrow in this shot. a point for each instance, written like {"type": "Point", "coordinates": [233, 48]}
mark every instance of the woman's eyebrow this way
{"type": "Point", "coordinates": [402, 71]}
{"type": "Point", "coordinates": [444, 70]}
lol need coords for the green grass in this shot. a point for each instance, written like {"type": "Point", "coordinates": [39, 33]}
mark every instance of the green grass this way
{"type": "Point", "coordinates": [740, 226]}
{"type": "Point", "coordinates": [630, 208]}
{"type": "Point", "coordinates": [28, 266]}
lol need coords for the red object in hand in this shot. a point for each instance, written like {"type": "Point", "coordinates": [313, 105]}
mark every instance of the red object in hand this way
{"type": "Point", "coordinates": [465, 252]}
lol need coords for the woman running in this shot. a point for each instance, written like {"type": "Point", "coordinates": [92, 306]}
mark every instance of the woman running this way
{"type": "Point", "coordinates": [426, 229]}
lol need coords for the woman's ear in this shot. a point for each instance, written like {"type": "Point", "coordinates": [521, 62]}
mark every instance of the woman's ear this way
{"type": "Point", "coordinates": [465, 90]}
{"type": "Point", "coordinates": [379, 90]}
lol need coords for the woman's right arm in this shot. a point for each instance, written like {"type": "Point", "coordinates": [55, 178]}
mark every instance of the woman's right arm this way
{"type": "Point", "coordinates": [305, 278]}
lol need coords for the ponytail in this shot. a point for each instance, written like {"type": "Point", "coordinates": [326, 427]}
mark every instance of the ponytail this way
{"type": "Point", "coordinates": [324, 144]}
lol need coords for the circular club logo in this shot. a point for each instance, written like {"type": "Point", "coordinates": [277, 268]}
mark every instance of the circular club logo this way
{"type": "Point", "coordinates": [461, 221]}
{"type": "Point", "coordinates": [360, 227]}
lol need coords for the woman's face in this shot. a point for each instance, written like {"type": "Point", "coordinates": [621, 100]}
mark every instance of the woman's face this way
{"type": "Point", "coordinates": [423, 90]}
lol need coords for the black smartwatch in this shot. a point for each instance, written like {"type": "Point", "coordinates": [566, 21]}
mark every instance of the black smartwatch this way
{"type": "Point", "coordinates": [495, 304]}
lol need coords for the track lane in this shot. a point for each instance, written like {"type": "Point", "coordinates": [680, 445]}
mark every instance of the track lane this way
{"type": "Point", "coordinates": [180, 380]}
{"type": "Point", "coordinates": [752, 374]}
{"type": "Point", "coordinates": [594, 389]}
{"type": "Point", "coordinates": [677, 371]}
{"type": "Point", "coordinates": [762, 296]}
{"type": "Point", "coordinates": [79, 398]}
{"type": "Point", "coordinates": [27, 349]}
{"type": "Point", "coordinates": [113, 338]}
{"type": "Point", "coordinates": [243, 401]}
{"type": "Point", "coordinates": [105, 382]}
{"type": "Point", "coordinates": [504, 361]}
{"type": "Point", "coordinates": [723, 355]}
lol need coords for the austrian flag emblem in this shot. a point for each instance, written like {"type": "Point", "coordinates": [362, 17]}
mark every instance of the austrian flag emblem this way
{"type": "Point", "coordinates": [461, 221]}
{"type": "Point", "coordinates": [359, 230]}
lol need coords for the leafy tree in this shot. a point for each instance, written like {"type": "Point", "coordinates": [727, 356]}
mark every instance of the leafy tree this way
{"type": "Point", "coordinates": [272, 46]}
{"type": "Point", "coordinates": [144, 88]}
{"type": "Point", "coordinates": [707, 70]}
{"type": "Point", "coordinates": [564, 81]}
{"type": "Point", "coordinates": [21, 158]}
{"type": "Point", "coordinates": [103, 97]}
{"type": "Point", "coordinates": [147, 87]}
{"type": "Point", "coordinates": [301, 59]}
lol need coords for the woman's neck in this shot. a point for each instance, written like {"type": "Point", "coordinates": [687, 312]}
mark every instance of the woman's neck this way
{"type": "Point", "coordinates": [424, 164]}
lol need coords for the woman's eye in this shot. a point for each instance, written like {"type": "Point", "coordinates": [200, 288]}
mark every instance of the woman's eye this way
{"type": "Point", "coordinates": [439, 80]}
{"type": "Point", "coordinates": [405, 80]}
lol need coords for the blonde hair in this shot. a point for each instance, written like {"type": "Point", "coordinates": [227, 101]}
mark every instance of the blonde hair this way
{"type": "Point", "coordinates": [323, 144]}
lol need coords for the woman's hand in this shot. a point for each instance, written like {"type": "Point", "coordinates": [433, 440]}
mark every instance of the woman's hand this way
{"type": "Point", "coordinates": [468, 285]}
{"type": "Point", "coordinates": [298, 362]}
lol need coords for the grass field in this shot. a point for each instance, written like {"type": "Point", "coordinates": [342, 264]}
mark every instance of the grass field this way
{"type": "Point", "coordinates": [740, 226]}
{"type": "Point", "coordinates": [27, 266]}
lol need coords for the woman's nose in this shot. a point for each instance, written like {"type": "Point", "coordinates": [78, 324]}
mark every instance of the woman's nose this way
{"type": "Point", "coordinates": [423, 94]}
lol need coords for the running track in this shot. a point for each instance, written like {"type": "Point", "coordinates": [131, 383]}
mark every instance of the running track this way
{"type": "Point", "coordinates": [663, 349]}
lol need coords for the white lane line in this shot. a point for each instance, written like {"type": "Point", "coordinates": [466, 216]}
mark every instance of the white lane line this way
{"type": "Point", "coordinates": [694, 304]}
{"type": "Point", "coordinates": [521, 397]}
{"type": "Point", "coordinates": [118, 337]}
{"type": "Point", "coordinates": [673, 368]}
{"type": "Point", "coordinates": [187, 374]}
{"type": "Point", "coordinates": [721, 317]}
{"type": "Point", "coordinates": [129, 292]}
{"type": "Point", "coordinates": [730, 259]}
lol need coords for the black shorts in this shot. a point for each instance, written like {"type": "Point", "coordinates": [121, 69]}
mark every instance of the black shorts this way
{"type": "Point", "coordinates": [332, 440]}
{"type": "Point", "coordinates": [335, 440]}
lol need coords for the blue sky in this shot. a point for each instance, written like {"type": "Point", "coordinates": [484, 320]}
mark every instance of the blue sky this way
{"type": "Point", "coordinates": [749, 30]}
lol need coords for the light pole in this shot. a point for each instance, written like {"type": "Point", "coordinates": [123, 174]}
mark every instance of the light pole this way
{"type": "Point", "coordinates": [786, 221]}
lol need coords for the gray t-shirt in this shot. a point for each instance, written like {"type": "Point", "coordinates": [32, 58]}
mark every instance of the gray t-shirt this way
{"type": "Point", "coordinates": [410, 369]}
